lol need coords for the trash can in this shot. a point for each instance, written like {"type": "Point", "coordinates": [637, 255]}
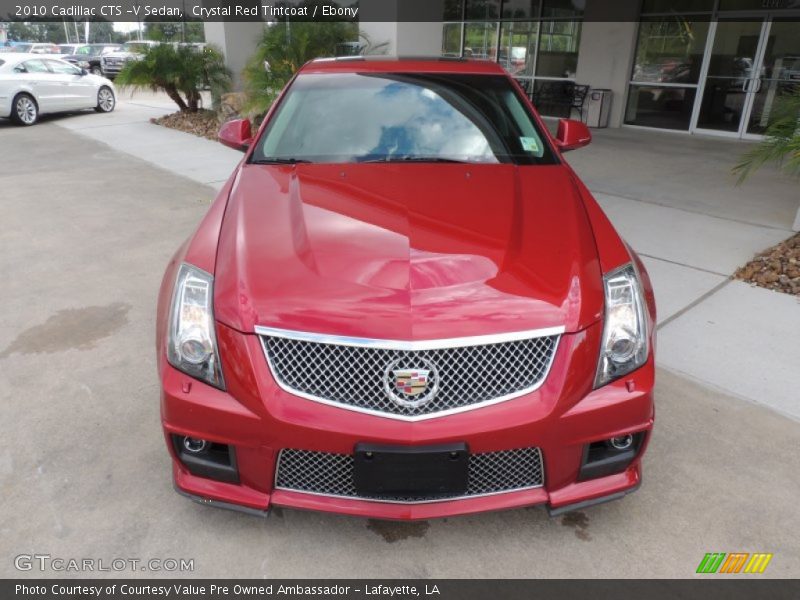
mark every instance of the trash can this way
{"type": "Point", "coordinates": [599, 108]}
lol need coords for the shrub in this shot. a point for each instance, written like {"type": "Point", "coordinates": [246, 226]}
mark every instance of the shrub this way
{"type": "Point", "coordinates": [181, 72]}
{"type": "Point", "coordinates": [285, 48]}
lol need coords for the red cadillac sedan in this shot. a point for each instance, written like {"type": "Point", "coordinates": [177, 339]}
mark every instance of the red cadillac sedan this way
{"type": "Point", "coordinates": [404, 304]}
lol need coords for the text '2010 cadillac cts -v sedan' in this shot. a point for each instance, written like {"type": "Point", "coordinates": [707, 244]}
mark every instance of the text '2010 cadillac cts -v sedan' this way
{"type": "Point", "coordinates": [404, 304]}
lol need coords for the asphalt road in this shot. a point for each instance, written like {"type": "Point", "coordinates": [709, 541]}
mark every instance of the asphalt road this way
{"type": "Point", "coordinates": [84, 234]}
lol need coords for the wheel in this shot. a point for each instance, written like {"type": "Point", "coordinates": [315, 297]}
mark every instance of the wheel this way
{"type": "Point", "coordinates": [96, 71]}
{"type": "Point", "coordinates": [105, 100]}
{"type": "Point", "coordinates": [24, 110]}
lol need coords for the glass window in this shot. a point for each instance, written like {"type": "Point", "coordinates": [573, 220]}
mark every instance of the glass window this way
{"type": "Point", "coordinates": [35, 66]}
{"type": "Point", "coordinates": [563, 9]}
{"type": "Point", "coordinates": [62, 68]}
{"type": "Point", "coordinates": [518, 47]}
{"type": "Point", "coordinates": [521, 9]}
{"type": "Point", "coordinates": [480, 40]}
{"type": "Point", "coordinates": [758, 4]}
{"type": "Point", "coordinates": [451, 39]}
{"type": "Point", "coordinates": [452, 10]}
{"type": "Point", "coordinates": [662, 107]}
{"type": "Point", "coordinates": [482, 9]}
{"type": "Point", "coordinates": [558, 49]}
{"type": "Point", "coordinates": [380, 117]}
{"type": "Point", "coordinates": [670, 51]}
{"type": "Point", "coordinates": [677, 6]}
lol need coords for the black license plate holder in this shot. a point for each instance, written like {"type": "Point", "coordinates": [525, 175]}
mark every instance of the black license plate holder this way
{"type": "Point", "coordinates": [411, 471]}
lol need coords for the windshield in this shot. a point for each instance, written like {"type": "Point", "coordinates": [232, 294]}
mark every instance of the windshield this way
{"type": "Point", "coordinates": [23, 48]}
{"type": "Point", "coordinates": [376, 117]}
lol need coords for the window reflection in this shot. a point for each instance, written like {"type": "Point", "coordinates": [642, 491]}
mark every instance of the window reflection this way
{"type": "Point", "coordinates": [518, 47]}
{"type": "Point", "coordinates": [480, 40]}
{"type": "Point", "coordinates": [670, 51]}
{"type": "Point", "coordinates": [662, 107]}
{"type": "Point", "coordinates": [558, 49]}
{"type": "Point", "coordinates": [451, 39]}
{"type": "Point", "coordinates": [482, 9]}
{"type": "Point", "coordinates": [378, 117]}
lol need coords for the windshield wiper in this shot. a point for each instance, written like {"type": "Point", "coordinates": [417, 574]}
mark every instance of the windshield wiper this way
{"type": "Point", "coordinates": [275, 160]}
{"type": "Point", "coordinates": [424, 159]}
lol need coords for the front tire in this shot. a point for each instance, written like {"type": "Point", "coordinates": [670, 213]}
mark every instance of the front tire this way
{"type": "Point", "coordinates": [24, 110]}
{"type": "Point", "coordinates": [105, 100]}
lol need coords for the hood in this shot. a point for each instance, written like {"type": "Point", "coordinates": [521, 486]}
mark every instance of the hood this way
{"type": "Point", "coordinates": [406, 251]}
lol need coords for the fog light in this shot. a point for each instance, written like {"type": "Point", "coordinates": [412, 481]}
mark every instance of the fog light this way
{"type": "Point", "coordinates": [622, 442]}
{"type": "Point", "coordinates": [609, 456]}
{"type": "Point", "coordinates": [194, 445]}
{"type": "Point", "coordinates": [206, 459]}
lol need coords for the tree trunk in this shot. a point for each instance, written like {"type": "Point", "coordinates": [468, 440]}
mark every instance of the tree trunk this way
{"type": "Point", "coordinates": [175, 96]}
{"type": "Point", "coordinates": [193, 97]}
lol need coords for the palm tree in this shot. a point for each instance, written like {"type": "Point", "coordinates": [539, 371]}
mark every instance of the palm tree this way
{"type": "Point", "coordinates": [181, 72]}
{"type": "Point", "coordinates": [284, 48]}
{"type": "Point", "coordinates": [781, 143]}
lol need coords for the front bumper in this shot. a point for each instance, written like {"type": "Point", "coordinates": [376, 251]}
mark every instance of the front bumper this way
{"type": "Point", "coordinates": [258, 419]}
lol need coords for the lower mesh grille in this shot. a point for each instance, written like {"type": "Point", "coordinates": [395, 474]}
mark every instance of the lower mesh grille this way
{"type": "Point", "coordinates": [332, 474]}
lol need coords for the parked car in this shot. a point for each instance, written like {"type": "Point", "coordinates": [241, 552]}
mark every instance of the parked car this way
{"type": "Point", "coordinates": [32, 85]}
{"type": "Point", "coordinates": [89, 56]}
{"type": "Point", "coordinates": [68, 48]}
{"type": "Point", "coordinates": [111, 63]}
{"type": "Point", "coordinates": [791, 68]}
{"type": "Point", "coordinates": [36, 48]}
{"type": "Point", "coordinates": [404, 304]}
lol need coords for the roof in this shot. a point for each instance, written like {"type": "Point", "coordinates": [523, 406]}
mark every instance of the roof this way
{"type": "Point", "coordinates": [390, 64]}
{"type": "Point", "coordinates": [18, 57]}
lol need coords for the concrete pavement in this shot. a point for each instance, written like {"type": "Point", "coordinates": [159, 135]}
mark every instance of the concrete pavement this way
{"type": "Point", "coordinates": [84, 471]}
{"type": "Point", "coordinates": [674, 199]}
{"type": "Point", "coordinates": [128, 129]}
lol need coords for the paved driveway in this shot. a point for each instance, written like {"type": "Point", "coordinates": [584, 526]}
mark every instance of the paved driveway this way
{"type": "Point", "coordinates": [85, 233]}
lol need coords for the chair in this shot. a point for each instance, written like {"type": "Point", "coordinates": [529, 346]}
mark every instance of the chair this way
{"type": "Point", "coordinates": [579, 93]}
{"type": "Point", "coordinates": [560, 98]}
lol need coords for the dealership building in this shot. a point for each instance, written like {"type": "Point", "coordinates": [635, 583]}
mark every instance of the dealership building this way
{"type": "Point", "coordinates": [696, 66]}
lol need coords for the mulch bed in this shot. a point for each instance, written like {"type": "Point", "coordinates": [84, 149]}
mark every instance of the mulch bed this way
{"type": "Point", "coordinates": [777, 268]}
{"type": "Point", "coordinates": [203, 123]}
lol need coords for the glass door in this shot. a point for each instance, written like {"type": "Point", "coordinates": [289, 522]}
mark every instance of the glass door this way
{"type": "Point", "coordinates": [779, 73]}
{"type": "Point", "coordinates": [732, 77]}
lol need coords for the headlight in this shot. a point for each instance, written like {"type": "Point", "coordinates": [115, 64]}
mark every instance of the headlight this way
{"type": "Point", "coordinates": [624, 346]}
{"type": "Point", "coordinates": [192, 342]}
{"type": "Point", "coordinates": [83, 64]}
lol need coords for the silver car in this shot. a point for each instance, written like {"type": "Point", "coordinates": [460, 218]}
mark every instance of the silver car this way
{"type": "Point", "coordinates": [31, 85]}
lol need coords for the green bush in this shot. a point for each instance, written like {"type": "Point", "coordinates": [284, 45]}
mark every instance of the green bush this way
{"type": "Point", "coordinates": [181, 72]}
{"type": "Point", "coordinates": [286, 47]}
{"type": "Point", "coordinates": [781, 143]}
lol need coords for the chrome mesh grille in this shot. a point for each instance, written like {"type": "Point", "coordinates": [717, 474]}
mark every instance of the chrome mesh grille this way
{"type": "Point", "coordinates": [356, 376]}
{"type": "Point", "coordinates": [332, 474]}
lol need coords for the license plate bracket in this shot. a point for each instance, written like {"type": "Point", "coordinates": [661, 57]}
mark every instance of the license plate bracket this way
{"type": "Point", "coordinates": [411, 471]}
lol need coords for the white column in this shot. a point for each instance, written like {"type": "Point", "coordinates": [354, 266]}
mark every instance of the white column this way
{"type": "Point", "coordinates": [237, 41]}
{"type": "Point", "coordinates": [605, 56]}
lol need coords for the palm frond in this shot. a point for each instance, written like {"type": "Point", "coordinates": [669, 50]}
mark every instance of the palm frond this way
{"type": "Point", "coordinates": [781, 144]}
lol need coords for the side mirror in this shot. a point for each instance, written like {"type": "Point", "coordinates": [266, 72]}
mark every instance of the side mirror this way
{"type": "Point", "coordinates": [236, 134]}
{"type": "Point", "coordinates": [84, 72]}
{"type": "Point", "coordinates": [572, 135]}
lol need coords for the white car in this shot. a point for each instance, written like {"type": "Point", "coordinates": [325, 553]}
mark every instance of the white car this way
{"type": "Point", "coordinates": [31, 85]}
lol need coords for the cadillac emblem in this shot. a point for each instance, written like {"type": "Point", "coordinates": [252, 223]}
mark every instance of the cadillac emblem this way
{"type": "Point", "coordinates": [411, 386]}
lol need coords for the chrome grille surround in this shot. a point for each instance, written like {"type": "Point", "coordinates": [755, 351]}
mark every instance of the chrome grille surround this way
{"type": "Point", "coordinates": [350, 373]}
{"type": "Point", "coordinates": [329, 474]}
